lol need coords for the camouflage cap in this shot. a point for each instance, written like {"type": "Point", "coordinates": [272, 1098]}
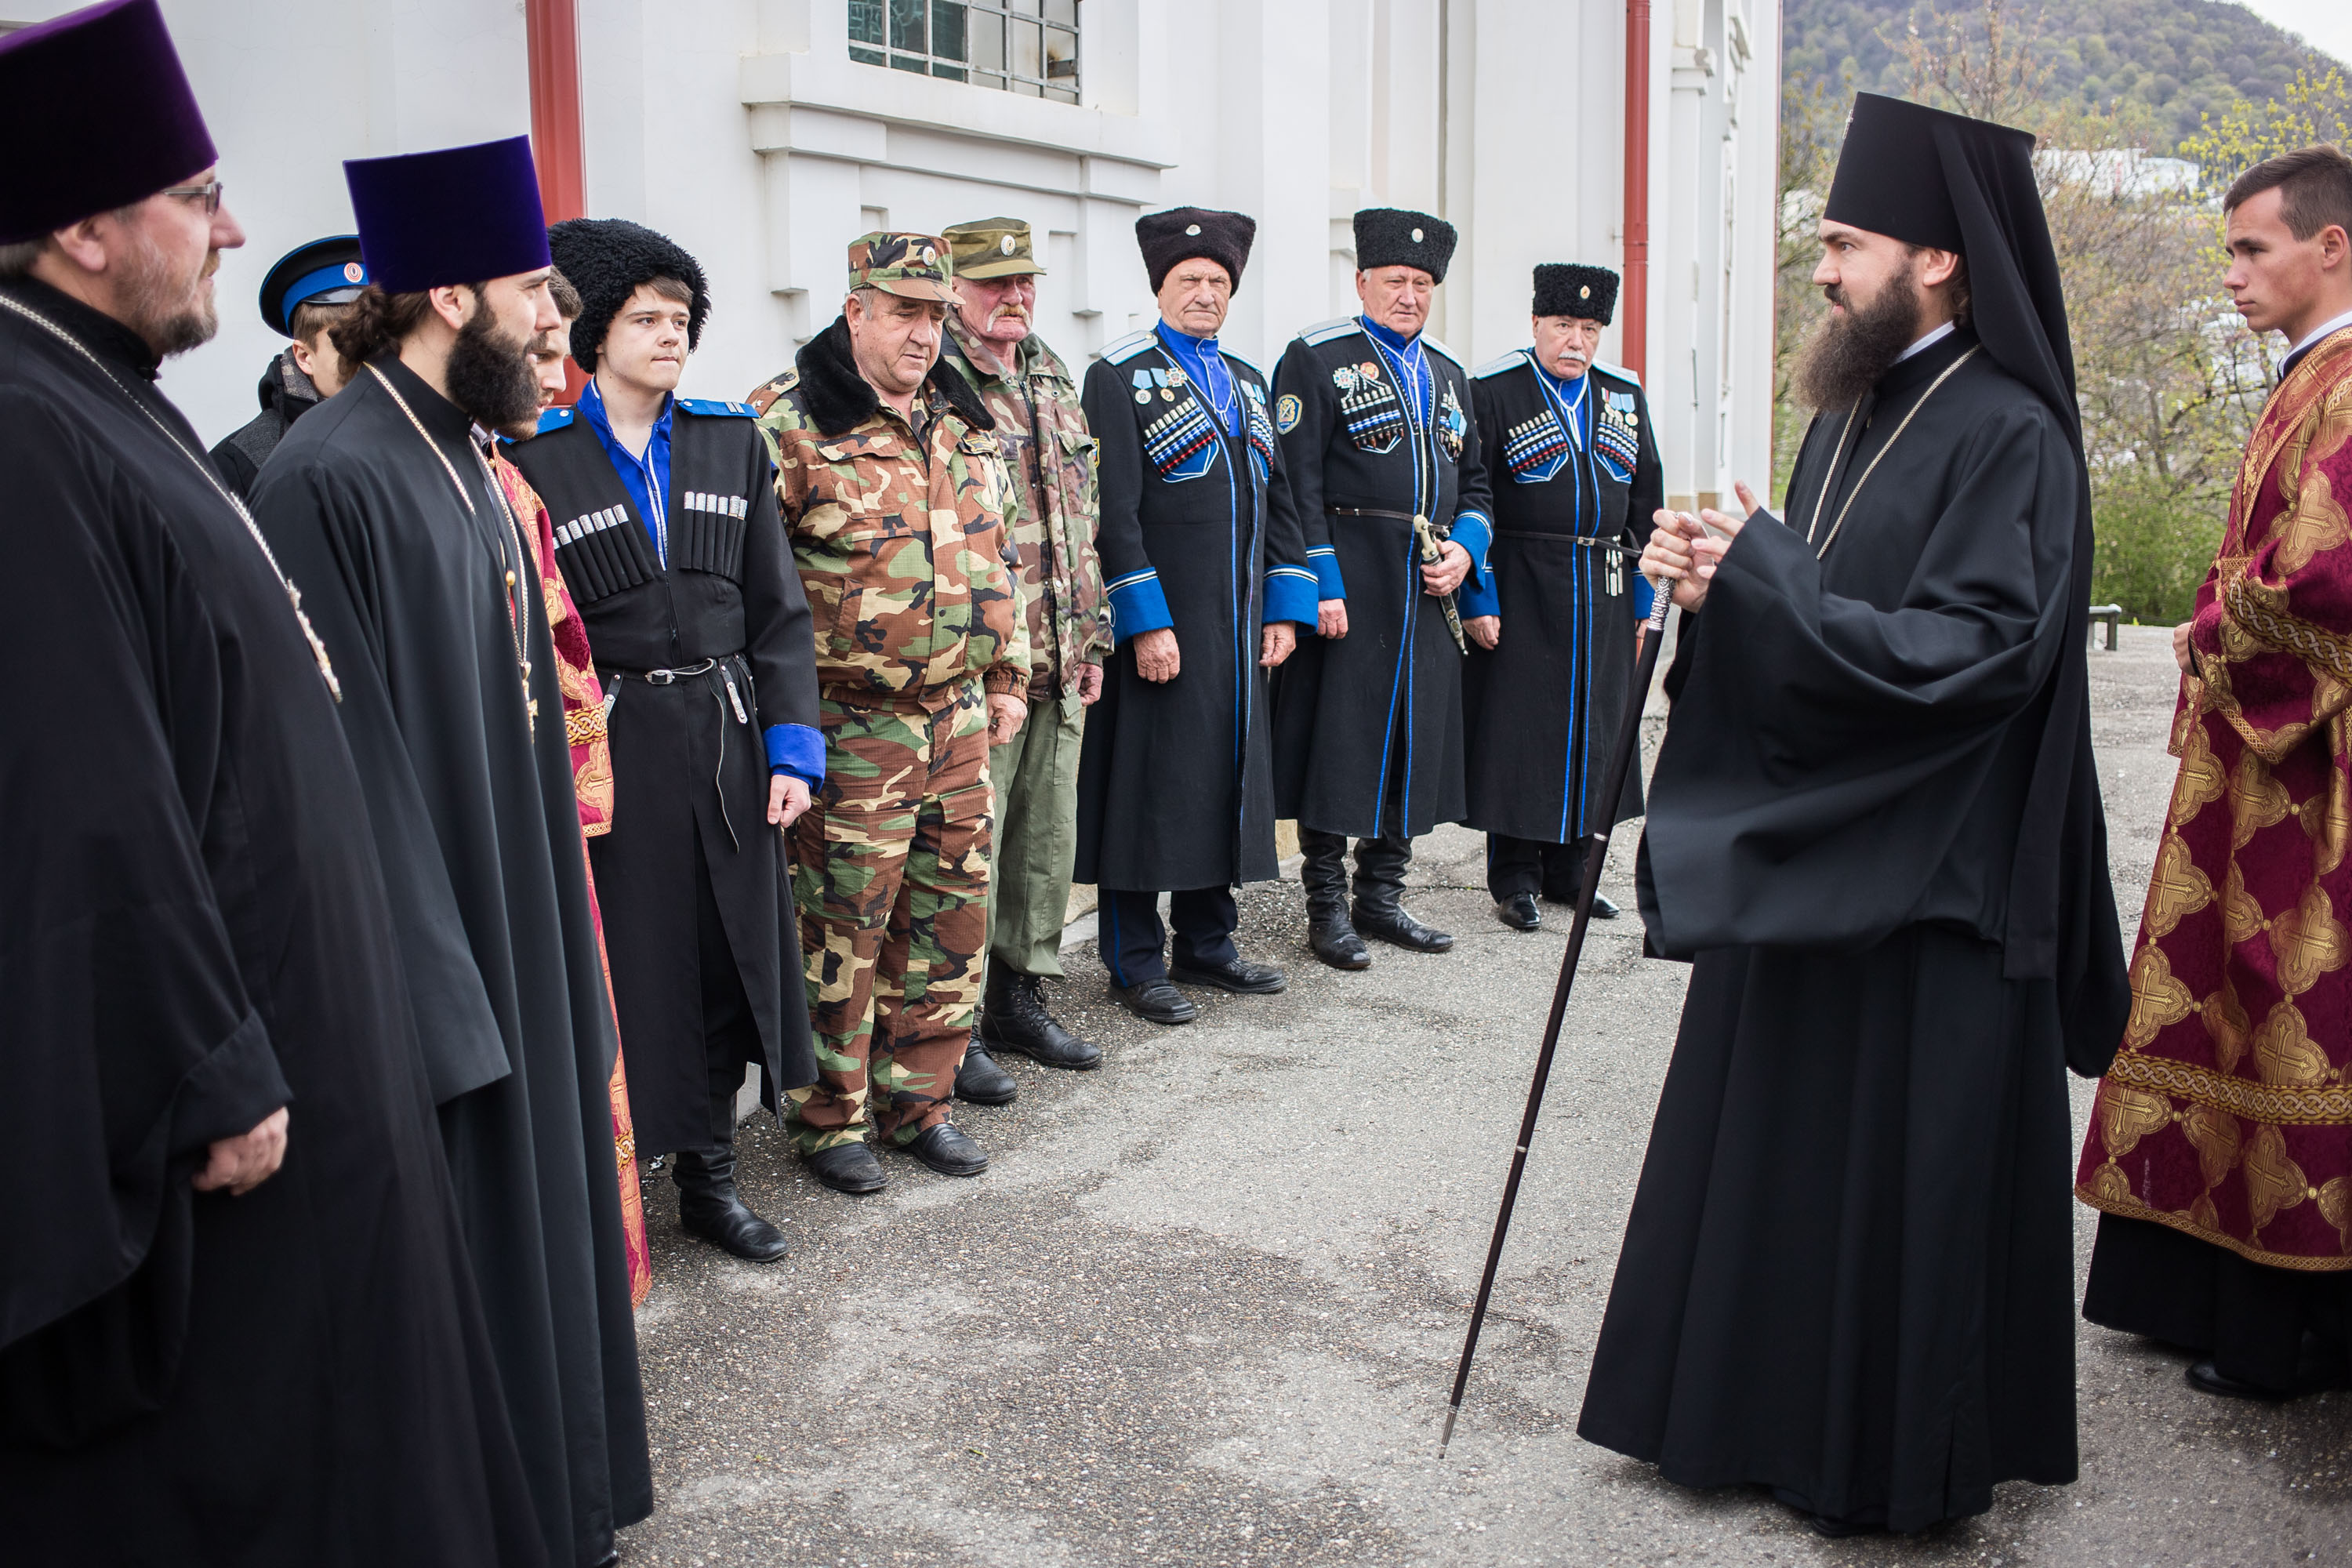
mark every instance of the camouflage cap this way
{"type": "Point", "coordinates": [914, 266]}
{"type": "Point", "coordinates": [991, 247]}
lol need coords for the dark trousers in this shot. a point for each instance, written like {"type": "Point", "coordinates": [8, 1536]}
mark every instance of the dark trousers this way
{"type": "Point", "coordinates": [1531, 866]}
{"type": "Point", "coordinates": [1133, 942]}
{"type": "Point", "coordinates": [730, 1037]}
{"type": "Point", "coordinates": [1381, 865]}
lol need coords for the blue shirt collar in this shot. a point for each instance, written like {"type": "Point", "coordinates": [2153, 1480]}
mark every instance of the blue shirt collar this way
{"type": "Point", "coordinates": [1206, 362]}
{"type": "Point", "coordinates": [592, 409]}
{"type": "Point", "coordinates": [1396, 341]}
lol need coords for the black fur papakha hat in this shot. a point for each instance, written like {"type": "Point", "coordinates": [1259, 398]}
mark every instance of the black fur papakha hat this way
{"type": "Point", "coordinates": [605, 258]}
{"type": "Point", "coordinates": [1398, 236]}
{"type": "Point", "coordinates": [1180, 234]}
{"type": "Point", "coordinates": [1572, 288]}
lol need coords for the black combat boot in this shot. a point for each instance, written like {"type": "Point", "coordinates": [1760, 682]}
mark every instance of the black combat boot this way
{"type": "Point", "coordinates": [1013, 1018]}
{"type": "Point", "coordinates": [1325, 875]}
{"type": "Point", "coordinates": [709, 1206]}
{"type": "Point", "coordinates": [979, 1079]}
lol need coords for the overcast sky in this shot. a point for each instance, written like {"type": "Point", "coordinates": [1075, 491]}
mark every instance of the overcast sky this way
{"type": "Point", "coordinates": [2323, 23]}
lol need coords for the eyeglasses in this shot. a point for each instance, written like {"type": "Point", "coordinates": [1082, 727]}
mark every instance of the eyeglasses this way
{"type": "Point", "coordinates": [208, 192]}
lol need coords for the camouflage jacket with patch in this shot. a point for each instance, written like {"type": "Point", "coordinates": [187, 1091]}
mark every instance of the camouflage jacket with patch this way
{"type": "Point", "coordinates": [1049, 454]}
{"type": "Point", "coordinates": [899, 539]}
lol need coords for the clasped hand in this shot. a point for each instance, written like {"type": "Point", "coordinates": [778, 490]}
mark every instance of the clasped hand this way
{"type": "Point", "coordinates": [1685, 553]}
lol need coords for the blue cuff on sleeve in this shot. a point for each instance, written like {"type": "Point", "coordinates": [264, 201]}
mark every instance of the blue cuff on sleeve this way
{"type": "Point", "coordinates": [1137, 605]}
{"type": "Point", "coordinates": [1474, 532]}
{"type": "Point", "coordinates": [1644, 598]}
{"type": "Point", "coordinates": [1325, 561]}
{"type": "Point", "coordinates": [1290, 594]}
{"type": "Point", "coordinates": [1478, 598]}
{"type": "Point", "coordinates": [797, 750]}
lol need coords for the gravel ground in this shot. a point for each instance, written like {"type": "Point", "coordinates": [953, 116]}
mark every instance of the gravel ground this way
{"type": "Point", "coordinates": [1204, 1308]}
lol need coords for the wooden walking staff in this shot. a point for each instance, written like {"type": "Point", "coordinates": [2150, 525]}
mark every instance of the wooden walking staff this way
{"type": "Point", "coordinates": [1620, 759]}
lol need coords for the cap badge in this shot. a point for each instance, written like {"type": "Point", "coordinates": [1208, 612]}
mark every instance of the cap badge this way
{"type": "Point", "coordinates": [1416, 236]}
{"type": "Point", "coordinates": [1191, 229]}
{"type": "Point", "coordinates": [1585, 293]}
{"type": "Point", "coordinates": [354, 273]}
{"type": "Point", "coordinates": [1005, 245]}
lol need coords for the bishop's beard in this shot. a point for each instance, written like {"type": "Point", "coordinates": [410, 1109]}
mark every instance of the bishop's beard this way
{"type": "Point", "coordinates": [491, 375]}
{"type": "Point", "coordinates": [1850, 353]}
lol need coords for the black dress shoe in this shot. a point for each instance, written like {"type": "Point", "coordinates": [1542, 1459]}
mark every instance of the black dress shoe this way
{"type": "Point", "coordinates": [1013, 1018]}
{"type": "Point", "coordinates": [848, 1168]}
{"type": "Point", "coordinates": [1241, 976]}
{"type": "Point", "coordinates": [980, 1080]}
{"type": "Point", "coordinates": [948, 1151]}
{"type": "Point", "coordinates": [1604, 909]}
{"type": "Point", "coordinates": [1519, 912]}
{"type": "Point", "coordinates": [2312, 1376]}
{"type": "Point", "coordinates": [1157, 1002]}
{"type": "Point", "coordinates": [1394, 926]}
{"type": "Point", "coordinates": [1335, 942]}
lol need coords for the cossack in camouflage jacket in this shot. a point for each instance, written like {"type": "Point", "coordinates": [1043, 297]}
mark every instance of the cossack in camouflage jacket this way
{"type": "Point", "coordinates": [1049, 454]}
{"type": "Point", "coordinates": [900, 543]}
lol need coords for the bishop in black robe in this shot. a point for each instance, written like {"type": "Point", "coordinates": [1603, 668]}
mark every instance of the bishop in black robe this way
{"type": "Point", "coordinates": [194, 932]}
{"type": "Point", "coordinates": [1875, 827]}
{"type": "Point", "coordinates": [415, 573]}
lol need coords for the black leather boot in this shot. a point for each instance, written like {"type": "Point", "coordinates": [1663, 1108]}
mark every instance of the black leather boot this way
{"type": "Point", "coordinates": [1379, 909]}
{"type": "Point", "coordinates": [709, 1207]}
{"type": "Point", "coordinates": [980, 1080]}
{"type": "Point", "coordinates": [1013, 1018]}
{"type": "Point", "coordinates": [1324, 873]}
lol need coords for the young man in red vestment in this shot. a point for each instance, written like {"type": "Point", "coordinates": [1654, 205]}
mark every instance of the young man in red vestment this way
{"type": "Point", "coordinates": [2220, 1147]}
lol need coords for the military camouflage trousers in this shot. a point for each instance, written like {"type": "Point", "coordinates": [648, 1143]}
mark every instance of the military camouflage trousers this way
{"type": "Point", "coordinates": [891, 877]}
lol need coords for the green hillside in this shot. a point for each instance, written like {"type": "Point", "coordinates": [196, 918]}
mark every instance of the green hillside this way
{"type": "Point", "coordinates": [2176, 58]}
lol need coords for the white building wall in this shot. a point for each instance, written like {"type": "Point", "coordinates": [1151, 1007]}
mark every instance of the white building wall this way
{"type": "Point", "coordinates": [742, 128]}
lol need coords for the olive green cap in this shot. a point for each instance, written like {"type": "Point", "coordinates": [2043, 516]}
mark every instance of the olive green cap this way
{"type": "Point", "coordinates": [913, 265]}
{"type": "Point", "coordinates": [991, 247]}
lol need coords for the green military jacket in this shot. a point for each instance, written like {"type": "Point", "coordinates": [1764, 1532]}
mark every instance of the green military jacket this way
{"type": "Point", "coordinates": [1050, 455]}
{"type": "Point", "coordinates": [898, 533]}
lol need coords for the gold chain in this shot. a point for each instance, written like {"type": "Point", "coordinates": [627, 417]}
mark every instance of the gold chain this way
{"type": "Point", "coordinates": [203, 467]}
{"type": "Point", "coordinates": [517, 601]}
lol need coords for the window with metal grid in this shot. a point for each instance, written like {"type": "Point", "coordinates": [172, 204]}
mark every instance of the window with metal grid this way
{"type": "Point", "coordinates": [1028, 47]}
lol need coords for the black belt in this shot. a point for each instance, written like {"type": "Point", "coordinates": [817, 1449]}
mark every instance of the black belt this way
{"type": "Point", "coordinates": [723, 670]}
{"type": "Point", "coordinates": [1628, 551]}
{"type": "Point", "coordinates": [1411, 516]}
{"type": "Point", "coordinates": [670, 676]}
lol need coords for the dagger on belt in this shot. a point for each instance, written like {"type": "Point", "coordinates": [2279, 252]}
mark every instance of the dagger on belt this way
{"type": "Point", "coordinates": [1425, 536]}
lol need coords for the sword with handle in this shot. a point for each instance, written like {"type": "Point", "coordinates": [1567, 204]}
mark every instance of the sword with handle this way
{"type": "Point", "coordinates": [1430, 556]}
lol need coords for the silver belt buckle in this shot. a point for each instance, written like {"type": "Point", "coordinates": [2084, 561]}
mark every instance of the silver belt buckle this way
{"type": "Point", "coordinates": [661, 678]}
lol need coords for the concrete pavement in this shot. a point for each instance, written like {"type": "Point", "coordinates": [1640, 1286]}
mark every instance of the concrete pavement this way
{"type": "Point", "coordinates": [1203, 1308]}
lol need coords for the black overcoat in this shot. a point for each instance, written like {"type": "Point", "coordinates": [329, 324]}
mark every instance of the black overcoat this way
{"type": "Point", "coordinates": [401, 539]}
{"type": "Point", "coordinates": [1175, 786]}
{"type": "Point", "coordinates": [1368, 728]}
{"type": "Point", "coordinates": [1543, 706]}
{"type": "Point", "coordinates": [193, 933]}
{"type": "Point", "coordinates": [688, 766]}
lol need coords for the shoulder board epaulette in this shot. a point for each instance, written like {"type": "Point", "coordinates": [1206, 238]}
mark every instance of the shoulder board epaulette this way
{"type": "Point", "coordinates": [1324, 332]}
{"type": "Point", "coordinates": [556, 419]}
{"type": "Point", "coordinates": [1429, 343]}
{"type": "Point", "coordinates": [1619, 370]}
{"type": "Point", "coordinates": [1128, 347]}
{"type": "Point", "coordinates": [1511, 361]}
{"type": "Point", "coordinates": [714, 407]}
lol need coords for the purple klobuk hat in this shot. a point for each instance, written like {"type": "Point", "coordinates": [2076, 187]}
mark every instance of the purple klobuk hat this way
{"type": "Point", "coordinates": [458, 214]}
{"type": "Point", "coordinates": [149, 137]}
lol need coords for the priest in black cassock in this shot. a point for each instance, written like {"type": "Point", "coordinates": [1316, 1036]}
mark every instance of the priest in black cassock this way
{"type": "Point", "coordinates": [1574, 457]}
{"type": "Point", "coordinates": [383, 504]}
{"type": "Point", "coordinates": [1874, 826]}
{"type": "Point", "coordinates": [237, 1321]}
